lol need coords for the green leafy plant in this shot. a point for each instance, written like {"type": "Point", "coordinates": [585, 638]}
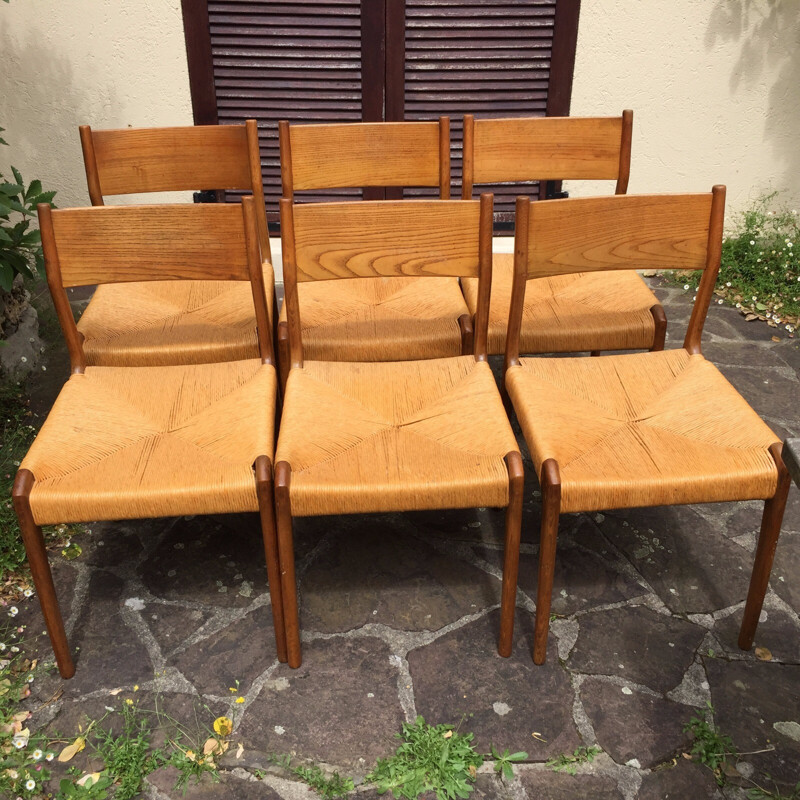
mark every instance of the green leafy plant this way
{"type": "Point", "coordinates": [570, 763]}
{"type": "Point", "coordinates": [760, 265]}
{"type": "Point", "coordinates": [20, 246]}
{"type": "Point", "coordinates": [430, 758]}
{"type": "Point", "coordinates": [710, 747]}
{"type": "Point", "coordinates": [90, 789]}
{"type": "Point", "coordinates": [503, 762]}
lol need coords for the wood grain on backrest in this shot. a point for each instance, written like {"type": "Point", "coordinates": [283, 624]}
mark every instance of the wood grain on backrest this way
{"type": "Point", "coordinates": [363, 154]}
{"type": "Point", "coordinates": [118, 244]}
{"type": "Point", "coordinates": [546, 148]}
{"type": "Point", "coordinates": [619, 232]}
{"type": "Point", "coordinates": [384, 238]}
{"type": "Point", "coordinates": [171, 159]}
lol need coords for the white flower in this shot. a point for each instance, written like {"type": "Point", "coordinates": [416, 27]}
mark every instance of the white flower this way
{"type": "Point", "coordinates": [19, 742]}
{"type": "Point", "coordinates": [30, 784]}
{"type": "Point", "coordinates": [29, 592]}
{"type": "Point", "coordinates": [719, 301]}
{"type": "Point", "coordinates": [752, 241]}
{"type": "Point", "coordinates": [15, 649]}
{"type": "Point", "coordinates": [23, 359]}
{"type": "Point", "coordinates": [685, 286]}
{"type": "Point", "coordinates": [49, 757]}
{"type": "Point", "coordinates": [37, 754]}
{"type": "Point", "coordinates": [30, 678]}
{"type": "Point", "coordinates": [794, 211]}
{"type": "Point", "coordinates": [728, 284]}
{"type": "Point", "coordinates": [2, 646]}
{"type": "Point", "coordinates": [789, 244]}
{"type": "Point", "coordinates": [13, 611]}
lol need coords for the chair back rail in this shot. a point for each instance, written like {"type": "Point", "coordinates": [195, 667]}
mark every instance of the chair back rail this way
{"type": "Point", "coordinates": [119, 244]}
{"type": "Point", "coordinates": [334, 156]}
{"type": "Point", "coordinates": [364, 239]}
{"type": "Point", "coordinates": [143, 160]}
{"type": "Point", "coordinates": [589, 234]}
{"type": "Point", "coordinates": [547, 148]}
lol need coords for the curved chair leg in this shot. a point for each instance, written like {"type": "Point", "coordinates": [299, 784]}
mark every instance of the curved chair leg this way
{"type": "Point", "coordinates": [660, 320]}
{"type": "Point", "coordinates": [516, 484]}
{"type": "Point", "coordinates": [283, 355]}
{"type": "Point", "coordinates": [40, 569]}
{"type": "Point", "coordinates": [765, 552]}
{"type": "Point", "coordinates": [467, 334]}
{"type": "Point", "coordinates": [283, 509]}
{"type": "Point", "coordinates": [266, 508]}
{"type": "Point", "coordinates": [551, 509]}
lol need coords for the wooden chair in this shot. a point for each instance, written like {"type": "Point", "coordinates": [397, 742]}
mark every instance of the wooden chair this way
{"type": "Point", "coordinates": [395, 318]}
{"type": "Point", "coordinates": [363, 437]}
{"type": "Point", "coordinates": [134, 442]}
{"type": "Point", "coordinates": [562, 313]}
{"type": "Point", "coordinates": [644, 429]}
{"type": "Point", "coordinates": [174, 322]}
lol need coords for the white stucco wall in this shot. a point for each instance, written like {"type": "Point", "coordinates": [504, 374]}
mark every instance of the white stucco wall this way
{"type": "Point", "coordinates": [714, 86]}
{"type": "Point", "coordinates": [107, 63]}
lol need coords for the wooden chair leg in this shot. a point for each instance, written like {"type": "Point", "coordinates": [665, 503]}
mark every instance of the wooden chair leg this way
{"type": "Point", "coordinates": [594, 353]}
{"type": "Point", "coordinates": [283, 509]}
{"type": "Point", "coordinates": [508, 604]}
{"type": "Point", "coordinates": [266, 508]}
{"type": "Point", "coordinates": [467, 334]}
{"type": "Point", "coordinates": [765, 552]}
{"type": "Point", "coordinates": [551, 509]}
{"type": "Point", "coordinates": [40, 569]}
{"type": "Point", "coordinates": [283, 355]}
{"type": "Point", "coordinates": [660, 320]}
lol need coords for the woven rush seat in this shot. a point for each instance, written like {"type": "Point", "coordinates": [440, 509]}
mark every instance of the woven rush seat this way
{"type": "Point", "coordinates": [394, 437]}
{"type": "Point", "coordinates": [381, 319]}
{"type": "Point", "coordinates": [642, 430]}
{"type": "Point", "coordinates": [171, 322]}
{"type": "Point", "coordinates": [127, 442]}
{"type": "Point", "coordinates": [569, 313]}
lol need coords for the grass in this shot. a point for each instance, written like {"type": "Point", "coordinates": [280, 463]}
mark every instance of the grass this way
{"type": "Point", "coordinates": [710, 747]}
{"type": "Point", "coordinates": [569, 763]}
{"type": "Point", "coordinates": [760, 265]}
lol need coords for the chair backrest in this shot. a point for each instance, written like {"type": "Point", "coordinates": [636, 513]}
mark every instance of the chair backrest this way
{"type": "Point", "coordinates": [119, 244]}
{"type": "Point", "coordinates": [363, 154]}
{"type": "Point", "coordinates": [588, 234]}
{"type": "Point", "coordinates": [547, 148]}
{"type": "Point", "coordinates": [391, 238]}
{"type": "Point", "coordinates": [201, 157]}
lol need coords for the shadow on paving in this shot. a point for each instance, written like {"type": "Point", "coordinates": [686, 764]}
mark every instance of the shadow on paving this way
{"type": "Point", "coordinates": [400, 617]}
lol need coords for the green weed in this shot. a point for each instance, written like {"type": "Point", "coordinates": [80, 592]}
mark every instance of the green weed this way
{"type": "Point", "coordinates": [570, 763]}
{"type": "Point", "coordinates": [503, 762]}
{"type": "Point", "coordinates": [327, 787]}
{"type": "Point", "coordinates": [430, 758]}
{"type": "Point", "coordinates": [710, 747]}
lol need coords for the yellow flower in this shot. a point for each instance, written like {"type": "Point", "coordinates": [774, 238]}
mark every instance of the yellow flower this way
{"type": "Point", "coordinates": [240, 699]}
{"type": "Point", "coordinates": [129, 702]}
{"type": "Point", "coordinates": [223, 726]}
{"type": "Point", "coordinates": [232, 689]}
{"type": "Point", "coordinates": [136, 688]}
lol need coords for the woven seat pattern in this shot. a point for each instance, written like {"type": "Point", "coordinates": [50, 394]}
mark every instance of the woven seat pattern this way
{"type": "Point", "coordinates": [569, 313]}
{"type": "Point", "coordinates": [380, 319]}
{"type": "Point", "coordinates": [165, 323]}
{"type": "Point", "coordinates": [394, 437]}
{"type": "Point", "coordinates": [125, 443]}
{"type": "Point", "coordinates": [642, 430]}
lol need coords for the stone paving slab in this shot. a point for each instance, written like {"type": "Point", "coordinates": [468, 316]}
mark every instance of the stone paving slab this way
{"type": "Point", "coordinates": [400, 617]}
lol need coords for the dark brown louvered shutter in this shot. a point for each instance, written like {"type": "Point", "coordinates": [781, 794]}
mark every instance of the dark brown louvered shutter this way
{"type": "Point", "coordinates": [350, 60]}
{"type": "Point", "coordinates": [297, 60]}
{"type": "Point", "coordinates": [491, 58]}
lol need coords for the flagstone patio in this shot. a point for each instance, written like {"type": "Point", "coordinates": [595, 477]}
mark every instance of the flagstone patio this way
{"type": "Point", "coordinates": [400, 615]}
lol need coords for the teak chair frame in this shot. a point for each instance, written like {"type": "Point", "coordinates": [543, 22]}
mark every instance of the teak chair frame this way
{"type": "Point", "coordinates": [200, 157]}
{"type": "Point", "coordinates": [534, 150]}
{"type": "Point", "coordinates": [375, 267]}
{"type": "Point", "coordinates": [85, 267]}
{"type": "Point", "coordinates": [525, 268]}
{"type": "Point", "coordinates": [370, 147]}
